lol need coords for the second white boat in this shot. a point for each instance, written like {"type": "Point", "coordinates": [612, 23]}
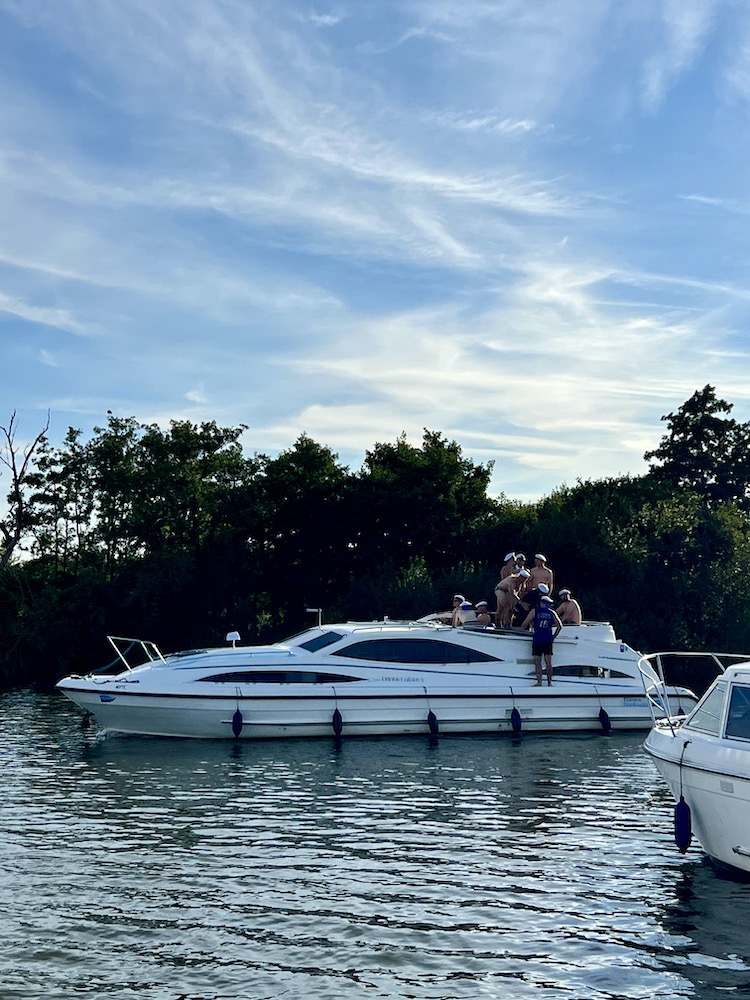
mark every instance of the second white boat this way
{"type": "Point", "coordinates": [705, 760]}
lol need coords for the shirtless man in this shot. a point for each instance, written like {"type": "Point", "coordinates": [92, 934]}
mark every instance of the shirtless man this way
{"type": "Point", "coordinates": [521, 564]}
{"type": "Point", "coordinates": [458, 600]}
{"type": "Point", "coordinates": [507, 592]}
{"type": "Point", "coordinates": [509, 565]}
{"type": "Point", "coordinates": [483, 613]}
{"type": "Point", "coordinates": [541, 573]}
{"type": "Point", "coordinates": [570, 610]}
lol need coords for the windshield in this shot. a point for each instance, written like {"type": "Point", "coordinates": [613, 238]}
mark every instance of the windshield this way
{"type": "Point", "coordinates": [707, 714]}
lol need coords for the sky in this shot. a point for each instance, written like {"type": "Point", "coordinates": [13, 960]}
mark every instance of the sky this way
{"type": "Point", "coordinates": [524, 225]}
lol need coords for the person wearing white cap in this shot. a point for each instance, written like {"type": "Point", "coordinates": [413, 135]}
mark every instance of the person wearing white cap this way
{"type": "Point", "coordinates": [509, 565]}
{"type": "Point", "coordinates": [546, 625]}
{"type": "Point", "coordinates": [528, 600]}
{"type": "Point", "coordinates": [458, 600]}
{"type": "Point", "coordinates": [569, 610]}
{"type": "Point", "coordinates": [507, 592]}
{"type": "Point", "coordinates": [483, 613]}
{"type": "Point", "coordinates": [541, 573]}
{"type": "Point", "coordinates": [466, 613]}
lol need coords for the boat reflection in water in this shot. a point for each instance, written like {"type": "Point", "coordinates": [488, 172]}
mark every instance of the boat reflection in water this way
{"type": "Point", "coordinates": [375, 678]}
{"type": "Point", "coordinates": [704, 916]}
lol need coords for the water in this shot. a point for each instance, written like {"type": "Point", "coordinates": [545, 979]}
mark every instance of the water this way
{"type": "Point", "coordinates": [467, 867]}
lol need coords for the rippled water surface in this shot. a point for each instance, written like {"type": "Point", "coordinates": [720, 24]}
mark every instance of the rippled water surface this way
{"type": "Point", "coordinates": [540, 867]}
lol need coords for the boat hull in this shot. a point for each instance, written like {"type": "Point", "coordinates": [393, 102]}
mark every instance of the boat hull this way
{"type": "Point", "coordinates": [272, 717]}
{"type": "Point", "coordinates": [714, 781]}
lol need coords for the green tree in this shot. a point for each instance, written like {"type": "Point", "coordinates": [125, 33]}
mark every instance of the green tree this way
{"type": "Point", "coordinates": [427, 502]}
{"type": "Point", "coordinates": [112, 457]}
{"type": "Point", "coordinates": [302, 537]}
{"type": "Point", "coordinates": [65, 504]}
{"type": "Point", "coordinates": [705, 451]}
{"type": "Point", "coordinates": [184, 482]}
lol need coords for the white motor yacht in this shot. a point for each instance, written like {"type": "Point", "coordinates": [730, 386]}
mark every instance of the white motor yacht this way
{"type": "Point", "coordinates": [705, 760]}
{"type": "Point", "coordinates": [373, 678]}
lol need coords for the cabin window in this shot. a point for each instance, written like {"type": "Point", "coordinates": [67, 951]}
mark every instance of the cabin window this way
{"type": "Point", "coordinates": [738, 717]}
{"type": "Point", "coordinates": [278, 677]}
{"type": "Point", "coordinates": [581, 671]}
{"type": "Point", "coordinates": [321, 641]}
{"type": "Point", "coordinates": [413, 651]}
{"type": "Point", "coordinates": [706, 716]}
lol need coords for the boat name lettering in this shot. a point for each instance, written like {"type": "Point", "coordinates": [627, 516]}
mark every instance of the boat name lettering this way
{"type": "Point", "coordinates": [635, 703]}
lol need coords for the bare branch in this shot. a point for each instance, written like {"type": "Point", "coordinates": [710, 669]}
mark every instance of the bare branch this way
{"type": "Point", "coordinates": [18, 462]}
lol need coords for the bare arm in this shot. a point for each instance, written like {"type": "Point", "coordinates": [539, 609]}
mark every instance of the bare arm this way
{"type": "Point", "coordinates": [558, 625]}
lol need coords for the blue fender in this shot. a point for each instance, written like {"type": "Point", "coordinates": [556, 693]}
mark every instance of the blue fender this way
{"type": "Point", "coordinates": [683, 832]}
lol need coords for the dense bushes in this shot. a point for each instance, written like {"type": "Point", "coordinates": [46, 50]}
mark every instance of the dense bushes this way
{"type": "Point", "coordinates": [177, 536]}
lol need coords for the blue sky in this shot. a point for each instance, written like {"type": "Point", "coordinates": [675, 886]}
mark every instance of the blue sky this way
{"type": "Point", "coordinates": [521, 224]}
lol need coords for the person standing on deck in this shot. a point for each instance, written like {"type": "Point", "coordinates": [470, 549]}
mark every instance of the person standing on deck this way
{"type": "Point", "coordinates": [509, 565]}
{"type": "Point", "coordinates": [546, 625]}
{"type": "Point", "coordinates": [541, 573]}
{"type": "Point", "coordinates": [528, 599]}
{"type": "Point", "coordinates": [506, 593]}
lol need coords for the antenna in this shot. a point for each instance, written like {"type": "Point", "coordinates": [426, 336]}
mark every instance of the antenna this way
{"type": "Point", "coordinates": [233, 637]}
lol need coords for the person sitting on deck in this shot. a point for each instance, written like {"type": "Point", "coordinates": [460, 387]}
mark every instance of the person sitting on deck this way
{"type": "Point", "coordinates": [458, 600]}
{"type": "Point", "coordinates": [466, 613]}
{"type": "Point", "coordinates": [546, 625]}
{"type": "Point", "coordinates": [483, 614]}
{"type": "Point", "coordinates": [569, 610]}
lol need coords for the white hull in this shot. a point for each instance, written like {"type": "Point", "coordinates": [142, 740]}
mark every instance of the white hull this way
{"type": "Point", "coordinates": [267, 717]}
{"type": "Point", "coordinates": [375, 678]}
{"type": "Point", "coordinates": [714, 780]}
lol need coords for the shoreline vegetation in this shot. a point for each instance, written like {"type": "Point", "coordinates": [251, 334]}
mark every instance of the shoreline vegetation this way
{"type": "Point", "coordinates": [179, 537]}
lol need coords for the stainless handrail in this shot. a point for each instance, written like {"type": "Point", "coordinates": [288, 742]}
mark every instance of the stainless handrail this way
{"type": "Point", "coordinates": [656, 691]}
{"type": "Point", "coordinates": [150, 650]}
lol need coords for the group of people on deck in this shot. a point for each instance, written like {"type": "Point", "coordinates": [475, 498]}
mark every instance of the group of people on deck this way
{"type": "Point", "coordinates": [523, 601]}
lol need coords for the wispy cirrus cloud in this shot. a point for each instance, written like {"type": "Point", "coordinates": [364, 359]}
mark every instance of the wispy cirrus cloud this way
{"type": "Point", "coordinates": [685, 26]}
{"type": "Point", "coordinates": [60, 319]}
{"type": "Point", "coordinates": [360, 220]}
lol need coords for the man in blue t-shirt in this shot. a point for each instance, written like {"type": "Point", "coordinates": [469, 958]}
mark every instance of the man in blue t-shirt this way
{"type": "Point", "coordinates": [546, 625]}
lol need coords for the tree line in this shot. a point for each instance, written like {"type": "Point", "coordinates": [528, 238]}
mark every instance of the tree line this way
{"type": "Point", "coordinates": [178, 536]}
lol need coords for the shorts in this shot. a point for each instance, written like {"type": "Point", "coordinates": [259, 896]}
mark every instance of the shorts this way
{"type": "Point", "coordinates": [540, 648]}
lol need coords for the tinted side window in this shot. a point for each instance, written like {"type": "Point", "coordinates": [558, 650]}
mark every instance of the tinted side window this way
{"type": "Point", "coordinates": [321, 641]}
{"type": "Point", "coordinates": [278, 677]}
{"type": "Point", "coordinates": [738, 719]}
{"type": "Point", "coordinates": [413, 651]}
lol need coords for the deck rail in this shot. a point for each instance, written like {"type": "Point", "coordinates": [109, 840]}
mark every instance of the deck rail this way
{"type": "Point", "coordinates": [128, 650]}
{"type": "Point", "coordinates": [651, 667]}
